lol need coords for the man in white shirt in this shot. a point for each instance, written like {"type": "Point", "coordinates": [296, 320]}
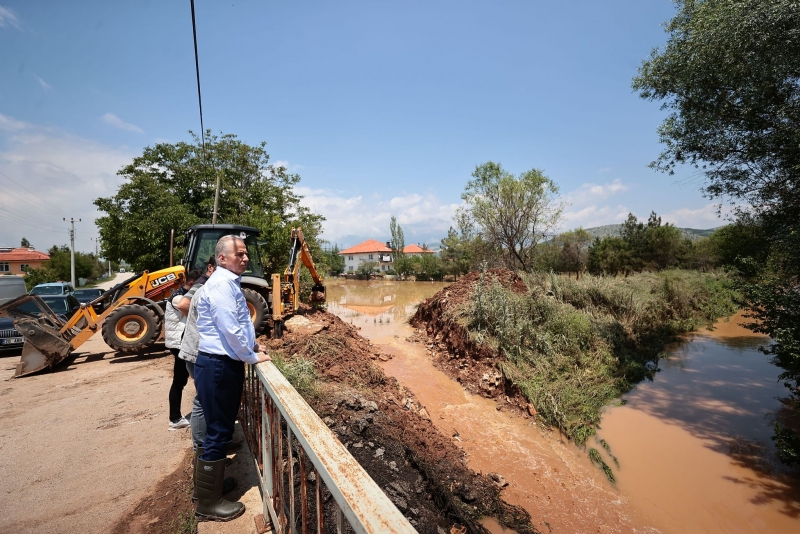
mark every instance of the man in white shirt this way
{"type": "Point", "coordinates": [227, 341]}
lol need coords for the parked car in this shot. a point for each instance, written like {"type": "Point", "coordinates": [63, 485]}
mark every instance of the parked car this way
{"type": "Point", "coordinates": [53, 288]}
{"type": "Point", "coordinates": [10, 339]}
{"type": "Point", "coordinates": [11, 287]}
{"type": "Point", "coordinates": [62, 305]}
{"type": "Point", "coordinates": [88, 295]}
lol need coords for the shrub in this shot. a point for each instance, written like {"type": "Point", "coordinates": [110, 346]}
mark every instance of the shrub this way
{"type": "Point", "coordinates": [571, 346]}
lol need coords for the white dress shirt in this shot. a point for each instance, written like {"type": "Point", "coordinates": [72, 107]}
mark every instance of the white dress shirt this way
{"type": "Point", "coordinates": [223, 320]}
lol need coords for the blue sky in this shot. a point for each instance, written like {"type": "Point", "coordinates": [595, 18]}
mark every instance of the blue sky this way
{"type": "Point", "coordinates": [383, 108]}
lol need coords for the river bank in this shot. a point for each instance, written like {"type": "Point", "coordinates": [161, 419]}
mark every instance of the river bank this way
{"type": "Point", "coordinates": [555, 481]}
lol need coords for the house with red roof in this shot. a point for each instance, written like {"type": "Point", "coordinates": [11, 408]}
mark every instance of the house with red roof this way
{"type": "Point", "coordinates": [19, 260]}
{"type": "Point", "coordinates": [416, 250]}
{"type": "Point", "coordinates": [370, 250]}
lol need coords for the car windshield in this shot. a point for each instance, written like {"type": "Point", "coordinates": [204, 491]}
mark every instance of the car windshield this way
{"type": "Point", "coordinates": [47, 290]}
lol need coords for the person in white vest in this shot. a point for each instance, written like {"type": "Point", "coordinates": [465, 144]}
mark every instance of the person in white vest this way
{"type": "Point", "coordinates": [174, 325]}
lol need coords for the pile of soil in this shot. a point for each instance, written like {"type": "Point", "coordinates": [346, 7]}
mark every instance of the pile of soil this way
{"type": "Point", "coordinates": [452, 349]}
{"type": "Point", "coordinates": [390, 434]}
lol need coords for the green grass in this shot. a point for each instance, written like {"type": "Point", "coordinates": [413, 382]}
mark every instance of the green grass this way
{"type": "Point", "coordinates": [185, 523]}
{"type": "Point", "coordinates": [573, 346]}
{"type": "Point", "coordinates": [299, 371]}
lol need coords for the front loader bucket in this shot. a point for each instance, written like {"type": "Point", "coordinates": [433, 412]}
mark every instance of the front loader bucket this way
{"type": "Point", "coordinates": [317, 294]}
{"type": "Point", "coordinates": [43, 347]}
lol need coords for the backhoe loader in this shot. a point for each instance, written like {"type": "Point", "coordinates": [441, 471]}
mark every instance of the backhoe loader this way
{"type": "Point", "coordinates": [286, 291]}
{"type": "Point", "coordinates": [133, 318]}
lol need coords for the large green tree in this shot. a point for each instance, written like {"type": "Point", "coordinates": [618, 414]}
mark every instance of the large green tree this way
{"type": "Point", "coordinates": [728, 76]}
{"type": "Point", "coordinates": [171, 186]}
{"type": "Point", "coordinates": [511, 213]}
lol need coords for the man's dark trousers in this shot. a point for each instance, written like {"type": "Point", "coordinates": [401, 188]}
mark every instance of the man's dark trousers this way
{"type": "Point", "coordinates": [219, 381]}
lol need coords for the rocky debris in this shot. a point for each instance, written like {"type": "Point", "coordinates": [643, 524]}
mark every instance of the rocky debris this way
{"type": "Point", "coordinates": [498, 479]}
{"type": "Point", "coordinates": [301, 324]}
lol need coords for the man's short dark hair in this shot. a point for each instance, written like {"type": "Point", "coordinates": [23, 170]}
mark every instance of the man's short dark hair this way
{"type": "Point", "coordinates": [212, 261]}
{"type": "Point", "coordinates": [193, 275]}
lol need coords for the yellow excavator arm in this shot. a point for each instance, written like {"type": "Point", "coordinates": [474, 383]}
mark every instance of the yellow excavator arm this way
{"type": "Point", "coordinates": [286, 288]}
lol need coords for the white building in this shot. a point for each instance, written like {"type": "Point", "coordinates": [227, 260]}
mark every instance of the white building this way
{"type": "Point", "coordinates": [368, 251]}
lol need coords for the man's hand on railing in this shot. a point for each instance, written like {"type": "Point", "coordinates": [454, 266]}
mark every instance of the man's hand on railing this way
{"type": "Point", "coordinates": [263, 355]}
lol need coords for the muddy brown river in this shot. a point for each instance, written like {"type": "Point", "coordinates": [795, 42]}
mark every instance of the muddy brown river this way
{"type": "Point", "coordinates": [693, 445]}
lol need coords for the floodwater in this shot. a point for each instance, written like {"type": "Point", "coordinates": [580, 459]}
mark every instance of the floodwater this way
{"type": "Point", "coordinates": [693, 446]}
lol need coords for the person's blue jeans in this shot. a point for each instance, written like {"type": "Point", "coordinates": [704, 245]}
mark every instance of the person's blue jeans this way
{"type": "Point", "coordinates": [219, 381]}
{"type": "Point", "coordinates": [198, 420]}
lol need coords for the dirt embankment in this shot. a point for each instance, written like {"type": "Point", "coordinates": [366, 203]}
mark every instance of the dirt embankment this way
{"type": "Point", "coordinates": [473, 366]}
{"type": "Point", "coordinates": [391, 435]}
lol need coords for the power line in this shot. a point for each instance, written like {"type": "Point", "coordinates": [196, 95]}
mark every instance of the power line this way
{"type": "Point", "coordinates": [21, 214]}
{"type": "Point", "coordinates": [13, 218]}
{"type": "Point", "coordinates": [202, 127]}
{"type": "Point", "coordinates": [7, 190]}
{"type": "Point", "coordinates": [4, 217]}
{"type": "Point", "coordinates": [197, 71]}
{"type": "Point", "coordinates": [31, 192]}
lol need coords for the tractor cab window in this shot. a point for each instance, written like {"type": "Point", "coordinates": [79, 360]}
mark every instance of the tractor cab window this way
{"type": "Point", "coordinates": [208, 242]}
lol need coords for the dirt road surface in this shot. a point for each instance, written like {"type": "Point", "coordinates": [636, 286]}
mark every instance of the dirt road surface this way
{"type": "Point", "coordinates": [82, 445]}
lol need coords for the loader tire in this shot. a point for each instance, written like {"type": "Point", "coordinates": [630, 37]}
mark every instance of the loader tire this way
{"type": "Point", "coordinates": [258, 307]}
{"type": "Point", "coordinates": [131, 328]}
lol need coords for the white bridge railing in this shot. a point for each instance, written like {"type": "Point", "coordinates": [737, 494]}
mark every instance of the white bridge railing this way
{"type": "Point", "coordinates": [309, 481]}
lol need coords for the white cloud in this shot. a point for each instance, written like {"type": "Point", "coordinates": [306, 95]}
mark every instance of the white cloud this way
{"type": "Point", "coordinates": [47, 174]}
{"type": "Point", "coordinates": [8, 18]}
{"type": "Point", "coordinates": [9, 124]}
{"type": "Point", "coordinates": [350, 220]}
{"type": "Point", "coordinates": [589, 193]}
{"type": "Point", "coordinates": [584, 207]}
{"type": "Point", "coordinates": [591, 216]}
{"type": "Point", "coordinates": [119, 124]}
{"type": "Point", "coordinates": [46, 86]}
{"type": "Point", "coordinates": [701, 218]}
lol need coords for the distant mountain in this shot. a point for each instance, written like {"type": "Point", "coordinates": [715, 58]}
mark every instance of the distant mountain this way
{"type": "Point", "coordinates": [616, 231]}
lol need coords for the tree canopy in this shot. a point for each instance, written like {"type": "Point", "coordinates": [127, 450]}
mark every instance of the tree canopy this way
{"type": "Point", "coordinates": [58, 267]}
{"type": "Point", "coordinates": [511, 214]}
{"type": "Point", "coordinates": [171, 186]}
{"type": "Point", "coordinates": [729, 76]}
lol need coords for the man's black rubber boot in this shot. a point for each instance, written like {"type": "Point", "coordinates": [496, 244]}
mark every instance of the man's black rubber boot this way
{"type": "Point", "coordinates": [208, 486]}
{"type": "Point", "coordinates": [228, 485]}
{"type": "Point", "coordinates": [199, 450]}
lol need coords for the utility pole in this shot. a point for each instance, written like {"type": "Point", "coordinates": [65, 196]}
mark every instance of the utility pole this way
{"type": "Point", "coordinates": [72, 249]}
{"type": "Point", "coordinates": [216, 197]}
{"type": "Point", "coordinates": [96, 252]}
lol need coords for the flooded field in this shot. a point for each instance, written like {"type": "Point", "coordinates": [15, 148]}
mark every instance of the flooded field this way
{"type": "Point", "coordinates": [693, 445]}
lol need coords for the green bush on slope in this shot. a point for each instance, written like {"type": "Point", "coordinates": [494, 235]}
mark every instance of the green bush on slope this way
{"type": "Point", "coordinates": [571, 346]}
